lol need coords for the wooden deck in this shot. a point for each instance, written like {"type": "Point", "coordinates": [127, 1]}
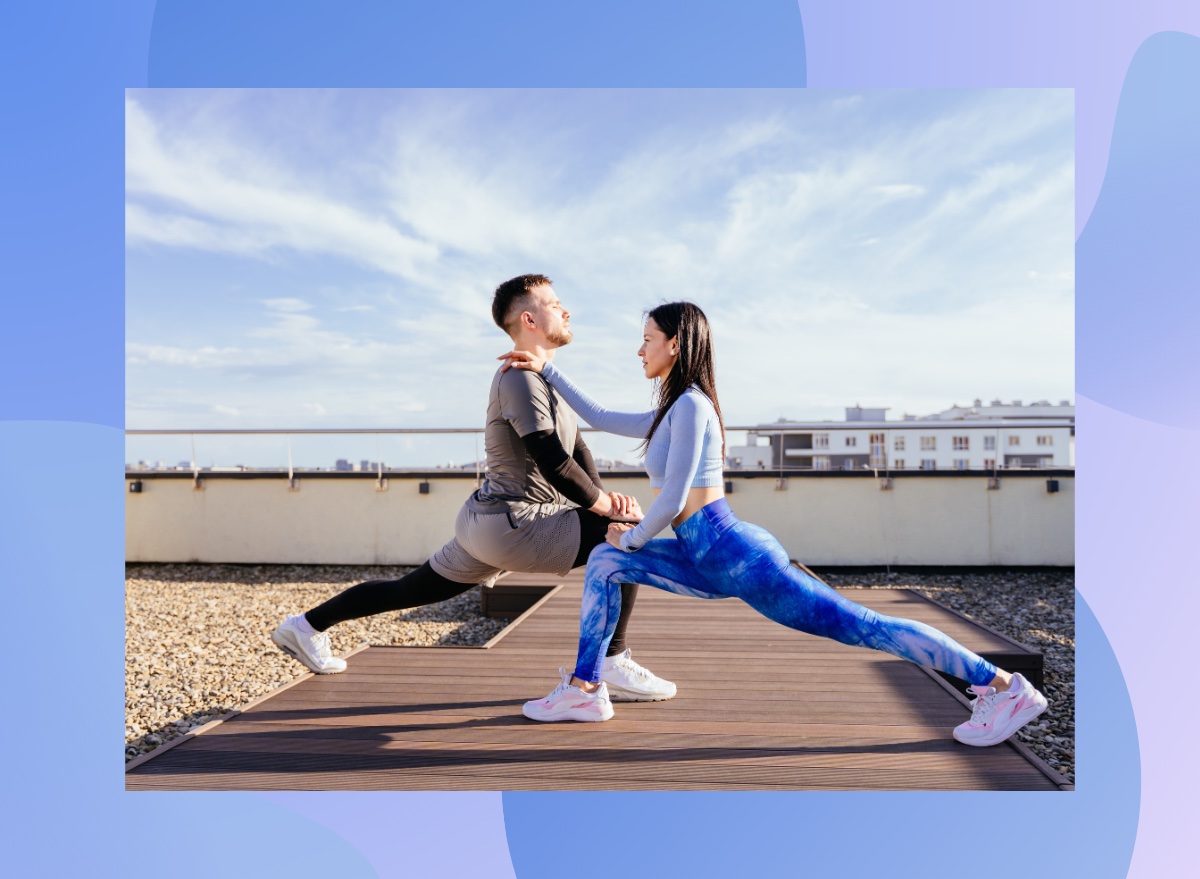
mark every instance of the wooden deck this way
{"type": "Point", "coordinates": [759, 707]}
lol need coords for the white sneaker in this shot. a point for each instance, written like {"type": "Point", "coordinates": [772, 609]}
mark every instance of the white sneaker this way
{"type": "Point", "coordinates": [312, 650]}
{"type": "Point", "coordinates": [996, 716]}
{"type": "Point", "coordinates": [629, 682]}
{"type": "Point", "coordinates": [570, 703]}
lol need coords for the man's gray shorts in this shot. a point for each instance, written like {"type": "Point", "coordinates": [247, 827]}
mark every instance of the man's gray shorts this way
{"type": "Point", "coordinates": [532, 539]}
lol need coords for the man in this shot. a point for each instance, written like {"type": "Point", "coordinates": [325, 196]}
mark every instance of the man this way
{"type": "Point", "coordinates": [541, 508]}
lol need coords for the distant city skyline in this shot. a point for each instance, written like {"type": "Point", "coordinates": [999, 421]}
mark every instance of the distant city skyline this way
{"type": "Point", "coordinates": [326, 258]}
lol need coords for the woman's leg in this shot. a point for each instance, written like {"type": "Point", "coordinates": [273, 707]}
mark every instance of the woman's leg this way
{"type": "Point", "coordinates": [764, 578]}
{"type": "Point", "coordinates": [660, 563]}
{"type": "Point", "coordinates": [593, 531]}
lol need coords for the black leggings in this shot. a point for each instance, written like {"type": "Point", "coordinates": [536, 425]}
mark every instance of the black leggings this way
{"type": "Point", "coordinates": [426, 586]}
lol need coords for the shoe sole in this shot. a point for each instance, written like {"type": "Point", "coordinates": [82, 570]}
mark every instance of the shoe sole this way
{"type": "Point", "coordinates": [620, 694]}
{"type": "Point", "coordinates": [300, 658]}
{"type": "Point", "coordinates": [572, 714]}
{"type": "Point", "coordinates": [1018, 720]}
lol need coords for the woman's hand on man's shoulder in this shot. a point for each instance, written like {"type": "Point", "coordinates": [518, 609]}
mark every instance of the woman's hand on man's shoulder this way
{"type": "Point", "coordinates": [522, 360]}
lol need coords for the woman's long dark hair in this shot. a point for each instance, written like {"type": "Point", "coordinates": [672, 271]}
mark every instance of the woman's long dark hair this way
{"type": "Point", "coordinates": [686, 324]}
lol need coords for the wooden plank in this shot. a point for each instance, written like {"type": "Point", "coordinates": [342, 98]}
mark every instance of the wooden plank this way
{"type": "Point", "coordinates": [760, 707]}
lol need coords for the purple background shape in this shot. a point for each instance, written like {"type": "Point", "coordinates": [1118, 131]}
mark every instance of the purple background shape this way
{"type": "Point", "coordinates": [1139, 257]}
{"type": "Point", "coordinates": [1021, 44]}
{"type": "Point", "coordinates": [414, 833]}
{"type": "Point", "coordinates": [67, 63]}
{"type": "Point", "coordinates": [1140, 571]}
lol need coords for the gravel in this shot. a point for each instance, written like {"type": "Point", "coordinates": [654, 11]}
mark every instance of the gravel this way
{"type": "Point", "coordinates": [197, 636]}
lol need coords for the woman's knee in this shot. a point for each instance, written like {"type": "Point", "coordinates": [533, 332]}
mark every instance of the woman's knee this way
{"type": "Point", "coordinates": [605, 559]}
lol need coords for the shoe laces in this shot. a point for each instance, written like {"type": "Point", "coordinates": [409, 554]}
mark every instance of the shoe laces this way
{"type": "Point", "coordinates": [626, 662]}
{"type": "Point", "coordinates": [563, 685]}
{"type": "Point", "coordinates": [983, 704]}
{"type": "Point", "coordinates": [321, 642]}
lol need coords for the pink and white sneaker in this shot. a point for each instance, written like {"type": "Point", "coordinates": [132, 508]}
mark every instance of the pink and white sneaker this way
{"type": "Point", "coordinates": [996, 716]}
{"type": "Point", "coordinates": [570, 703]}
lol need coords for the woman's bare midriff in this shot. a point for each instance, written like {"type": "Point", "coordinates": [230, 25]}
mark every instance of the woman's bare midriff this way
{"type": "Point", "coordinates": [697, 498]}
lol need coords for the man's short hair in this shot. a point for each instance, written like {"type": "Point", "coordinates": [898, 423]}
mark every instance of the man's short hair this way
{"type": "Point", "coordinates": [510, 299]}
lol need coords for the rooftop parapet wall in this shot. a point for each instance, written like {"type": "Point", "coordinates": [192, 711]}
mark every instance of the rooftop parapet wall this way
{"type": "Point", "coordinates": [823, 518]}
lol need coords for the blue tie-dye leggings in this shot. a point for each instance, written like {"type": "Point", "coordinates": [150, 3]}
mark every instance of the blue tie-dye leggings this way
{"type": "Point", "coordinates": [715, 555]}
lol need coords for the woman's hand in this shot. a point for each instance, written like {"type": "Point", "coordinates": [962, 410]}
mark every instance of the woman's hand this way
{"type": "Point", "coordinates": [625, 508]}
{"type": "Point", "coordinates": [522, 360]}
{"type": "Point", "coordinates": [615, 530]}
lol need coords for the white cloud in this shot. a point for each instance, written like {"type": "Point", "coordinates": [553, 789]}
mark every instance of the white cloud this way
{"type": "Point", "coordinates": [900, 190]}
{"type": "Point", "coordinates": [203, 193]}
{"type": "Point", "coordinates": [285, 304]}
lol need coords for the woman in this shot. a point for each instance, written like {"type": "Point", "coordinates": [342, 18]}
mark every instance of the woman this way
{"type": "Point", "coordinates": [715, 555]}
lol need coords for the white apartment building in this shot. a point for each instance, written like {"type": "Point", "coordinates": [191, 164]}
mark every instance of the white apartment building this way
{"type": "Point", "coordinates": [995, 437]}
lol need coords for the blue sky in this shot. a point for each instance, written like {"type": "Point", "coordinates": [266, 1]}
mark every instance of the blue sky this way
{"type": "Point", "coordinates": [326, 258]}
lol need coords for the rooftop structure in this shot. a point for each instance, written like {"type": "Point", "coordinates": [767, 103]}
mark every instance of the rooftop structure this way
{"type": "Point", "coordinates": [988, 438]}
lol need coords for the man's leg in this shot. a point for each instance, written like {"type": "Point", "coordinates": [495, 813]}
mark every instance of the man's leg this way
{"type": "Point", "coordinates": [303, 636]}
{"type": "Point", "coordinates": [415, 589]}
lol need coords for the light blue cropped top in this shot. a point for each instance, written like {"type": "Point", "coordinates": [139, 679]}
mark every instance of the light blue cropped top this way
{"type": "Point", "coordinates": [684, 453]}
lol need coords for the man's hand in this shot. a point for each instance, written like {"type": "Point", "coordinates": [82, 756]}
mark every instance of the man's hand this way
{"type": "Point", "coordinates": [625, 508]}
{"type": "Point", "coordinates": [522, 360]}
{"type": "Point", "coordinates": [615, 530]}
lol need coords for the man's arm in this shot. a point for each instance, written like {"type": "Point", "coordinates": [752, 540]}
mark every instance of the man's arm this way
{"type": "Point", "coordinates": [583, 457]}
{"type": "Point", "coordinates": [573, 481]}
{"type": "Point", "coordinates": [526, 405]}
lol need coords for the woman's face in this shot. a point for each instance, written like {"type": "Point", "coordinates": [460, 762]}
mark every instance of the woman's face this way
{"type": "Point", "coordinates": [658, 353]}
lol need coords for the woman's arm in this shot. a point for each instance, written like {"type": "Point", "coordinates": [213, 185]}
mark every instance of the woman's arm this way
{"type": "Point", "coordinates": [688, 420]}
{"type": "Point", "coordinates": [635, 424]}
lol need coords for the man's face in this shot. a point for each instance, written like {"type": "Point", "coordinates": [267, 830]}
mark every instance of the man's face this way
{"type": "Point", "coordinates": [549, 315]}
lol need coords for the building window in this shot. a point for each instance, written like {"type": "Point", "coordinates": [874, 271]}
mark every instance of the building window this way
{"type": "Point", "coordinates": [899, 445]}
{"type": "Point", "coordinates": [928, 464]}
{"type": "Point", "coordinates": [899, 465]}
{"type": "Point", "coordinates": [961, 443]}
{"type": "Point", "coordinates": [1014, 440]}
{"type": "Point", "coordinates": [851, 441]}
{"type": "Point", "coordinates": [1045, 440]}
{"type": "Point", "coordinates": [928, 443]}
{"type": "Point", "coordinates": [989, 444]}
{"type": "Point", "coordinates": [960, 463]}
{"type": "Point", "coordinates": [821, 462]}
{"type": "Point", "coordinates": [878, 457]}
{"type": "Point", "coordinates": [989, 463]}
{"type": "Point", "coordinates": [820, 440]}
